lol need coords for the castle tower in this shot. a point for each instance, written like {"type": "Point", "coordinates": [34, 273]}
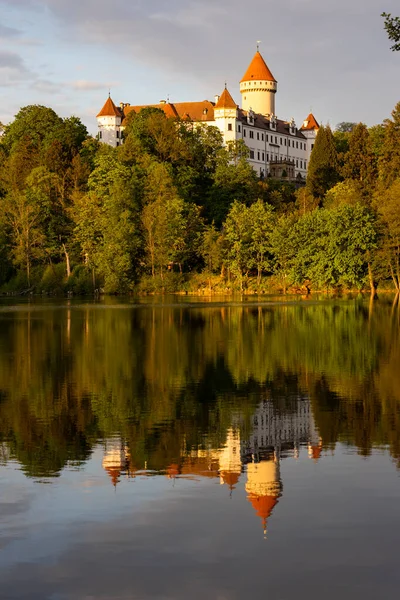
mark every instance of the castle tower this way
{"type": "Point", "coordinates": [310, 129]}
{"type": "Point", "coordinates": [230, 461]}
{"type": "Point", "coordinates": [109, 122]}
{"type": "Point", "coordinates": [225, 115]}
{"type": "Point", "coordinates": [258, 87]}
{"type": "Point", "coordinates": [263, 488]}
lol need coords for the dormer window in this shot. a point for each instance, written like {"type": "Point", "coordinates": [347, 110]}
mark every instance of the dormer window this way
{"type": "Point", "coordinates": [205, 111]}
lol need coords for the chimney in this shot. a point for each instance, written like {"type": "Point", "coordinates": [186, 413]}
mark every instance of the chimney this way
{"type": "Point", "coordinates": [216, 98]}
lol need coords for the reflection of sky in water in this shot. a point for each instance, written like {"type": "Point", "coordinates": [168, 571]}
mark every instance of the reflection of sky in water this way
{"type": "Point", "coordinates": [156, 537]}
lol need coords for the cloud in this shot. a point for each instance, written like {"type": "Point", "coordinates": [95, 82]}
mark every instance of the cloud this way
{"type": "Point", "coordinates": [12, 69]}
{"type": "Point", "coordinates": [83, 85]}
{"type": "Point", "coordinates": [8, 32]}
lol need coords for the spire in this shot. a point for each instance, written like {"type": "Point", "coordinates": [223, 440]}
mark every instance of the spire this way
{"type": "Point", "coordinates": [109, 109]}
{"type": "Point", "coordinates": [258, 69]}
{"type": "Point", "coordinates": [226, 100]}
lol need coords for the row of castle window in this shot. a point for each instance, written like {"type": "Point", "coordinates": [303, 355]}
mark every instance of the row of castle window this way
{"type": "Point", "coordinates": [274, 158]}
{"type": "Point", "coordinates": [283, 142]}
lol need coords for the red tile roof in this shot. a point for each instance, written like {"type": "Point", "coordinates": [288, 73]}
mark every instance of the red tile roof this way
{"type": "Point", "coordinates": [110, 110]}
{"type": "Point", "coordinates": [195, 111]}
{"type": "Point", "coordinates": [258, 70]}
{"type": "Point", "coordinates": [310, 123]}
{"type": "Point", "coordinates": [226, 100]}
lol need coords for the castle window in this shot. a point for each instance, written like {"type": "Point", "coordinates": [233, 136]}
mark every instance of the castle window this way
{"type": "Point", "coordinates": [100, 135]}
{"type": "Point", "coordinates": [244, 133]}
{"type": "Point", "coordinates": [262, 137]}
{"type": "Point", "coordinates": [276, 140]}
{"type": "Point", "coordinates": [263, 156]}
{"type": "Point", "coordinates": [117, 143]}
{"type": "Point", "coordinates": [297, 144]}
{"type": "Point", "coordinates": [252, 154]}
{"type": "Point", "coordinates": [312, 146]}
{"type": "Point", "coordinates": [258, 135]}
{"type": "Point", "coordinates": [251, 134]}
{"type": "Point", "coordinates": [239, 128]}
{"type": "Point", "coordinates": [258, 156]}
{"type": "Point", "coordinates": [285, 141]}
{"type": "Point", "coordinates": [229, 126]}
{"type": "Point", "coordinates": [297, 163]}
{"type": "Point", "coordinates": [281, 141]}
{"type": "Point", "coordinates": [267, 137]}
{"type": "Point", "coordinates": [117, 134]}
{"type": "Point", "coordinates": [267, 157]}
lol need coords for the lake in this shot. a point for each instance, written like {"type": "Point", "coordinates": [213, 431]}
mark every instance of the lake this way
{"type": "Point", "coordinates": [180, 448]}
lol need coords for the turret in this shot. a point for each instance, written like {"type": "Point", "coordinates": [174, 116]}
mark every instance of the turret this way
{"type": "Point", "coordinates": [310, 129]}
{"type": "Point", "coordinates": [258, 87]}
{"type": "Point", "coordinates": [109, 122]}
{"type": "Point", "coordinates": [225, 115]}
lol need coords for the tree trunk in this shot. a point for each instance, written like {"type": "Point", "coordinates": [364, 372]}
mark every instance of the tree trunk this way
{"type": "Point", "coordinates": [67, 261]}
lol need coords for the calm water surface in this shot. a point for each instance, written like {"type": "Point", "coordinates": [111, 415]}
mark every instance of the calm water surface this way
{"type": "Point", "coordinates": [192, 450]}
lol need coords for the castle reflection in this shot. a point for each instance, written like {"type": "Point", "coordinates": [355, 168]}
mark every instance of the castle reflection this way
{"type": "Point", "coordinates": [252, 460]}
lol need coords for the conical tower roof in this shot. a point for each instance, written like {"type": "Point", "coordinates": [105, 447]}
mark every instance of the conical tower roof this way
{"type": "Point", "coordinates": [310, 123]}
{"type": "Point", "coordinates": [109, 109]}
{"type": "Point", "coordinates": [258, 69]}
{"type": "Point", "coordinates": [226, 100]}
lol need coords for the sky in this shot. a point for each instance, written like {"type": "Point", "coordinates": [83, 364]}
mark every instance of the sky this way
{"type": "Point", "coordinates": [329, 56]}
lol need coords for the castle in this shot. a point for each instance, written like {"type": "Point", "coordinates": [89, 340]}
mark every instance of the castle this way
{"type": "Point", "coordinates": [276, 148]}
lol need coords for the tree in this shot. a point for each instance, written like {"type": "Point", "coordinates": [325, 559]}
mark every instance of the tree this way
{"type": "Point", "coordinates": [345, 127]}
{"type": "Point", "coordinates": [389, 162]}
{"type": "Point", "coordinates": [234, 179]}
{"type": "Point", "coordinates": [392, 26]}
{"type": "Point", "coordinates": [361, 163]}
{"type": "Point", "coordinates": [24, 219]}
{"type": "Point", "coordinates": [262, 219]}
{"type": "Point", "coordinates": [107, 222]}
{"type": "Point", "coordinates": [387, 203]}
{"type": "Point", "coordinates": [323, 170]}
{"type": "Point", "coordinates": [345, 193]}
{"type": "Point", "coordinates": [33, 123]}
{"type": "Point", "coordinates": [237, 228]}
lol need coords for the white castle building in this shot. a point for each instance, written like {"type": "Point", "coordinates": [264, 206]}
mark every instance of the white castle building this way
{"type": "Point", "coordinates": [276, 148]}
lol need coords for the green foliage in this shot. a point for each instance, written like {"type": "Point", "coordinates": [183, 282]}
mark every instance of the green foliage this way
{"type": "Point", "coordinates": [346, 192]}
{"type": "Point", "coordinates": [323, 169]}
{"type": "Point", "coordinates": [389, 161]}
{"type": "Point", "coordinates": [392, 26]}
{"type": "Point", "coordinates": [361, 162]}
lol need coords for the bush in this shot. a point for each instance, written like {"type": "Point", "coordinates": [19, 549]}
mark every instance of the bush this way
{"type": "Point", "coordinates": [80, 282]}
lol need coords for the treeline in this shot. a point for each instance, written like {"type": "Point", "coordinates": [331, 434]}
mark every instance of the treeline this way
{"type": "Point", "coordinates": [173, 209]}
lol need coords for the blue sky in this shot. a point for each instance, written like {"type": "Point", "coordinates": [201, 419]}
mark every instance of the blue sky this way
{"type": "Point", "coordinates": [331, 56]}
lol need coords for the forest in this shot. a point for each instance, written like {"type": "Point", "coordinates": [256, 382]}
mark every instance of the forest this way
{"type": "Point", "coordinates": [173, 210]}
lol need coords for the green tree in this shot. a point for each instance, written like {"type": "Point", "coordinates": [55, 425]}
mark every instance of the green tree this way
{"type": "Point", "coordinates": [238, 233]}
{"type": "Point", "coordinates": [361, 163]}
{"type": "Point", "coordinates": [389, 162]}
{"type": "Point", "coordinates": [107, 222]}
{"type": "Point", "coordinates": [346, 192]}
{"type": "Point", "coordinates": [323, 170]}
{"type": "Point", "coordinates": [387, 204]}
{"type": "Point", "coordinates": [392, 26]}
{"type": "Point", "coordinates": [24, 219]}
{"type": "Point", "coordinates": [262, 219]}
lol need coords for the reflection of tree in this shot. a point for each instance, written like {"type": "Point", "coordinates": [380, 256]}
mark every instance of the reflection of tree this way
{"type": "Point", "coordinates": [170, 379]}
